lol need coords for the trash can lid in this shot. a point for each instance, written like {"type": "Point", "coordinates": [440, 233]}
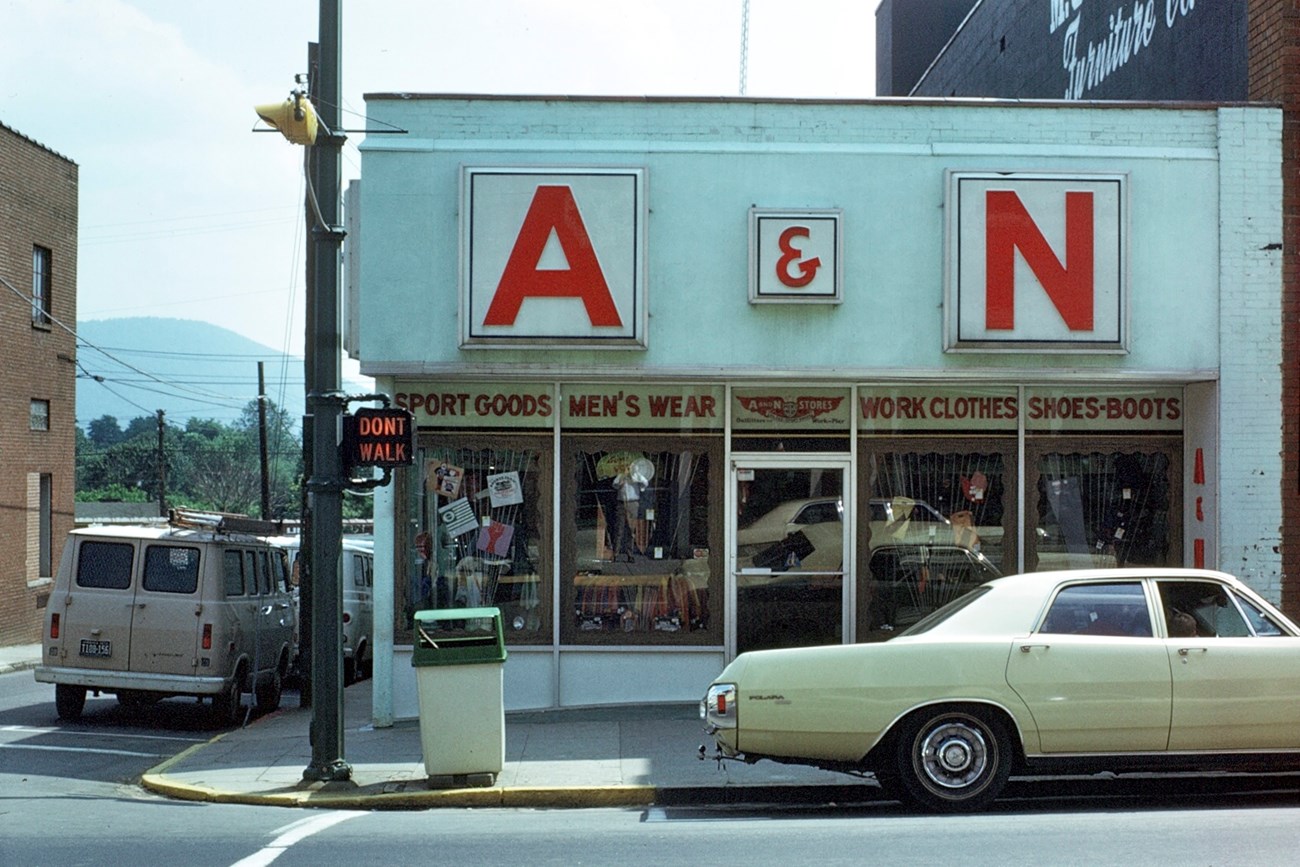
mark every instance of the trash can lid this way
{"type": "Point", "coordinates": [458, 636]}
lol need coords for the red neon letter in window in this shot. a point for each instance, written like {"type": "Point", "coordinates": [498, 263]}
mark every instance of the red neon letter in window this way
{"type": "Point", "coordinates": [1070, 286]}
{"type": "Point", "coordinates": [553, 210]}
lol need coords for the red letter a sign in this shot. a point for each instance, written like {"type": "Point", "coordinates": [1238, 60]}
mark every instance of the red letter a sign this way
{"type": "Point", "coordinates": [553, 210]}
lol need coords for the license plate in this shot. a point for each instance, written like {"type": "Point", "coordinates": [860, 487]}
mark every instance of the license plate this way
{"type": "Point", "coordinates": [96, 648]}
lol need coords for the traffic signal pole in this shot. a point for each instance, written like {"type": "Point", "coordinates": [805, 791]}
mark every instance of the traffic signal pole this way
{"type": "Point", "coordinates": [325, 404]}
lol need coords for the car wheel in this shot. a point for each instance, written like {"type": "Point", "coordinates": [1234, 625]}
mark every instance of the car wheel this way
{"type": "Point", "coordinates": [349, 670]}
{"type": "Point", "coordinates": [227, 705]}
{"type": "Point", "coordinates": [69, 701]}
{"type": "Point", "coordinates": [270, 687]}
{"type": "Point", "coordinates": [955, 758]}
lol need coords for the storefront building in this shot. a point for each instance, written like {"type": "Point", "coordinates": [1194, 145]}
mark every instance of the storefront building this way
{"type": "Point", "coordinates": [695, 377]}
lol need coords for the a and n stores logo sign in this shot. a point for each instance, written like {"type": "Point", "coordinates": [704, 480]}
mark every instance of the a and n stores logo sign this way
{"type": "Point", "coordinates": [1037, 262]}
{"type": "Point", "coordinates": [553, 257]}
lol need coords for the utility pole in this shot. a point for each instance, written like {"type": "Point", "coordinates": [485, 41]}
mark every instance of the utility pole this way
{"type": "Point", "coordinates": [325, 403]}
{"type": "Point", "coordinates": [261, 441]}
{"type": "Point", "coordinates": [162, 469]}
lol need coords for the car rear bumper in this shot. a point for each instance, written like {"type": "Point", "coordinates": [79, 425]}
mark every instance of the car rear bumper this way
{"type": "Point", "coordinates": [111, 681]}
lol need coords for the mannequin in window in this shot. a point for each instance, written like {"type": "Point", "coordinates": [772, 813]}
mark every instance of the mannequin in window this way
{"type": "Point", "coordinates": [629, 487]}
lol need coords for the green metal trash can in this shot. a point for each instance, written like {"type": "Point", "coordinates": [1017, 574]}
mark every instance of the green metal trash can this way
{"type": "Point", "coordinates": [459, 658]}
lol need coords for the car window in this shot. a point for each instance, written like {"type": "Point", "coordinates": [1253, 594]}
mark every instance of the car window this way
{"type": "Point", "coordinates": [1258, 619]}
{"type": "Point", "coordinates": [934, 618]}
{"type": "Point", "coordinates": [263, 572]}
{"type": "Point", "coordinates": [105, 565]}
{"type": "Point", "coordinates": [280, 571]}
{"type": "Point", "coordinates": [171, 569]}
{"type": "Point", "coordinates": [1118, 609]}
{"type": "Point", "coordinates": [818, 513]}
{"type": "Point", "coordinates": [232, 572]}
{"type": "Point", "coordinates": [250, 569]}
{"type": "Point", "coordinates": [1201, 609]}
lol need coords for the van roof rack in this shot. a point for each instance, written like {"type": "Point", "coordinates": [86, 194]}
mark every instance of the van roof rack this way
{"type": "Point", "coordinates": [223, 522]}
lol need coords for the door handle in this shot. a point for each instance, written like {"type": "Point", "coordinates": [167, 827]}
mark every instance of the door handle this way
{"type": "Point", "coordinates": [1185, 651]}
{"type": "Point", "coordinates": [1026, 648]}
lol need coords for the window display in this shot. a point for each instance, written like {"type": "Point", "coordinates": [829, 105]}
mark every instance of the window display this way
{"type": "Point", "coordinates": [638, 541]}
{"type": "Point", "coordinates": [1103, 509]}
{"type": "Point", "coordinates": [482, 540]}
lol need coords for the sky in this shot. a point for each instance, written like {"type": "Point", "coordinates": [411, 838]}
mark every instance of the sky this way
{"type": "Point", "coordinates": [187, 212]}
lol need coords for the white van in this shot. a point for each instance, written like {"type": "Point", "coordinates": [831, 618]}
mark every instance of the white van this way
{"type": "Point", "coordinates": [150, 612]}
{"type": "Point", "coordinates": [357, 561]}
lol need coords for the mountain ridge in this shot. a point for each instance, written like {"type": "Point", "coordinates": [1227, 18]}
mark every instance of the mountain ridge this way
{"type": "Point", "coordinates": [133, 366]}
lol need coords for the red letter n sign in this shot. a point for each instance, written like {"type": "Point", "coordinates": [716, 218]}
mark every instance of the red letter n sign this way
{"type": "Point", "coordinates": [1069, 284]}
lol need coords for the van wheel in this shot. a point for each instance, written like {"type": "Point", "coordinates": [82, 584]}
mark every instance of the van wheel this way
{"type": "Point", "coordinates": [269, 689]}
{"type": "Point", "coordinates": [69, 701]}
{"type": "Point", "coordinates": [364, 666]}
{"type": "Point", "coordinates": [227, 705]}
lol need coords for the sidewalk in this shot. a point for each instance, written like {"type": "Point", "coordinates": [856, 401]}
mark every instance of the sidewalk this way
{"type": "Point", "coordinates": [596, 757]}
{"type": "Point", "coordinates": [563, 758]}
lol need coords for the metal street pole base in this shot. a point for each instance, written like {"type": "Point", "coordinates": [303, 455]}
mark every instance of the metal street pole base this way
{"type": "Point", "coordinates": [329, 772]}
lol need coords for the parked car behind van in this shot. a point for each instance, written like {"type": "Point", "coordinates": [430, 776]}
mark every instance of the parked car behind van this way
{"type": "Point", "coordinates": [151, 612]}
{"type": "Point", "coordinates": [357, 561]}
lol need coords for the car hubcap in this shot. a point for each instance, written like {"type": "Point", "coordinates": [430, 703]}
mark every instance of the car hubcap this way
{"type": "Point", "coordinates": [954, 755]}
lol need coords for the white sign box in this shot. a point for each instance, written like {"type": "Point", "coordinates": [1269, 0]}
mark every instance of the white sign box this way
{"type": "Point", "coordinates": [794, 256]}
{"type": "Point", "coordinates": [1036, 262]}
{"type": "Point", "coordinates": [553, 257]}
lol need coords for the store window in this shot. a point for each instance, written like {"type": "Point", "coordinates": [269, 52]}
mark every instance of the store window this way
{"type": "Point", "coordinates": [482, 536]}
{"type": "Point", "coordinates": [939, 519]}
{"type": "Point", "coordinates": [641, 540]}
{"type": "Point", "coordinates": [1104, 508]}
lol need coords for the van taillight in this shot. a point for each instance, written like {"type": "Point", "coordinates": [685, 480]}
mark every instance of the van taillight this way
{"type": "Point", "coordinates": [54, 625]}
{"type": "Point", "coordinates": [207, 636]}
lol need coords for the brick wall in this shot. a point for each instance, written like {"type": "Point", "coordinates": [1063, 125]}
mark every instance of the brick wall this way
{"type": "Point", "coordinates": [38, 206]}
{"type": "Point", "coordinates": [1273, 37]}
{"type": "Point", "coordinates": [1018, 49]}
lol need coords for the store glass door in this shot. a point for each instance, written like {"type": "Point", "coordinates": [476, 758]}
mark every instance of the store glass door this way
{"type": "Point", "coordinates": [790, 546]}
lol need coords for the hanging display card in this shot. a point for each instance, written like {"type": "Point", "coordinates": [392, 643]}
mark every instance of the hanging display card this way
{"type": "Point", "coordinates": [445, 479]}
{"type": "Point", "coordinates": [457, 517]}
{"type": "Point", "coordinates": [504, 489]}
{"type": "Point", "coordinates": [494, 538]}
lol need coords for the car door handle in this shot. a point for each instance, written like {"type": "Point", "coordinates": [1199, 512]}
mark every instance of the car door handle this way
{"type": "Point", "coordinates": [1185, 651]}
{"type": "Point", "coordinates": [1026, 648]}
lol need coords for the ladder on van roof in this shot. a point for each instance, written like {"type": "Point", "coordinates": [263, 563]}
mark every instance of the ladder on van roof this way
{"type": "Point", "coordinates": [223, 522]}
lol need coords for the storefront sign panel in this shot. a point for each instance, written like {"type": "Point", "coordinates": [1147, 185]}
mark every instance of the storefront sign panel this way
{"type": "Point", "coordinates": [790, 408]}
{"type": "Point", "coordinates": [607, 406]}
{"type": "Point", "coordinates": [1118, 409]}
{"type": "Point", "coordinates": [553, 257]}
{"type": "Point", "coordinates": [477, 405]}
{"type": "Point", "coordinates": [1036, 262]}
{"type": "Point", "coordinates": [910, 410]}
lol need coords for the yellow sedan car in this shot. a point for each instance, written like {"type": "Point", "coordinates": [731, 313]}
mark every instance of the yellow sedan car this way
{"type": "Point", "coordinates": [1052, 672]}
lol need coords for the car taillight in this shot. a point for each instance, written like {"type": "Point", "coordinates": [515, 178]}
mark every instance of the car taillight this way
{"type": "Point", "coordinates": [347, 618]}
{"type": "Point", "coordinates": [718, 709]}
{"type": "Point", "coordinates": [54, 625]}
{"type": "Point", "coordinates": [207, 636]}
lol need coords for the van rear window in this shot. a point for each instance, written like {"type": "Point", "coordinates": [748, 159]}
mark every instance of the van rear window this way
{"type": "Point", "coordinates": [106, 565]}
{"type": "Point", "coordinates": [171, 569]}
